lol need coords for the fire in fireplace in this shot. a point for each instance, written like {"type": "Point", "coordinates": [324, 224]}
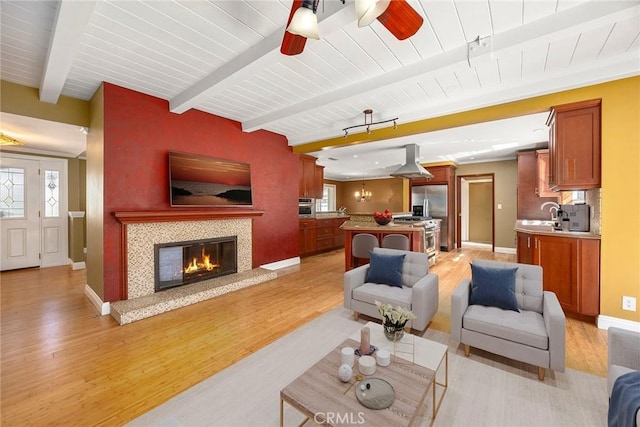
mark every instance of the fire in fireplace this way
{"type": "Point", "coordinates": [180, 263]}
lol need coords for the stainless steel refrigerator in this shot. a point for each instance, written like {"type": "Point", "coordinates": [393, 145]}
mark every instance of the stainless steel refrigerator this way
{"type": "Point", "coordinates": [433, 199]}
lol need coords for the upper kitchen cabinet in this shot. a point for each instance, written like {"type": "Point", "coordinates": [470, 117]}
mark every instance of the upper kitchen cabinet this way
{"type": "Point", "coordinates": [529, 201]}
{"type": "Point", "coordinates": [574, 146]}
{"type": "Point", "coordinates": [311, 178]}
{"type": "Point", "coordinates": [543, 189]}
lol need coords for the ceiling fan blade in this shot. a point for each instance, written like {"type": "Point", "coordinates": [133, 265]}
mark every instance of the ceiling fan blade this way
{"type": "Point", "coordinates": [401, 19]}
{"type": "Point", "coordinates": [292, 44]}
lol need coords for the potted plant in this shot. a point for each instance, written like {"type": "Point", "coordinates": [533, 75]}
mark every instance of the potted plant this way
{"type": "Point", "coordinates": [394, 320]}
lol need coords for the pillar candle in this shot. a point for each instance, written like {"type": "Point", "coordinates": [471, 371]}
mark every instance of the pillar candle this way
{"type": "Point", "coordinates": [365, 344]}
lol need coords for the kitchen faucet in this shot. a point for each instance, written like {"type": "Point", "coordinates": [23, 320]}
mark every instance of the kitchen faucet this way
{"type": "Point", "coordinates": [555, 206]}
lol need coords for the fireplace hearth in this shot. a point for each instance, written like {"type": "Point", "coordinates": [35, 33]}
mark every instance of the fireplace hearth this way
{"type": "Point", "coordinates": [181, 263]}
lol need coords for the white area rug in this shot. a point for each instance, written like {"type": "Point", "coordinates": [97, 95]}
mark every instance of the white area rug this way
{"type": "Point", "coordinates": [484, 390]}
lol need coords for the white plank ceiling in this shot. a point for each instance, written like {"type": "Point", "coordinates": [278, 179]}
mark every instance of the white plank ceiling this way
{"type": "Point", "coordinates": [223, 57]}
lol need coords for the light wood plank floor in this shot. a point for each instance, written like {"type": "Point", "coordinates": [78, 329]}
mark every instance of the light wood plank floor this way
{"type": "Point", "coordinates": [62, 364]}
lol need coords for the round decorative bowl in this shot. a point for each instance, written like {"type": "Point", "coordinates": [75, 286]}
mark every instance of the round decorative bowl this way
{"type": "Point", "coordinates": [382, 221]}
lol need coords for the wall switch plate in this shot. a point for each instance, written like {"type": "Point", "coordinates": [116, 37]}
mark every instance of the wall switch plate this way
{"type": "Point", "coordinates": [629, 303]}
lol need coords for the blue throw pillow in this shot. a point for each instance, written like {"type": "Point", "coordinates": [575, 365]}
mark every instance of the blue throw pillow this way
{"type": "Point", "coordinates": [494, 287]}
{"type": "Point", "coordinates": [385, 269]}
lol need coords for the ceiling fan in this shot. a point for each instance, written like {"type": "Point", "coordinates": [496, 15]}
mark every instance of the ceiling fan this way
{"type": "Point", "coordinates": [397, 16]}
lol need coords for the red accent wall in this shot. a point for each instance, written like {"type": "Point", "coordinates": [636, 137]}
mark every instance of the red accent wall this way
{"type": "Point", "coordinates": [139, 131]}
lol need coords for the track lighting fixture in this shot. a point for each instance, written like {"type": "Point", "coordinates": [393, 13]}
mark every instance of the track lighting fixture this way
{"type": "Point", "coordinates": [368, 122]}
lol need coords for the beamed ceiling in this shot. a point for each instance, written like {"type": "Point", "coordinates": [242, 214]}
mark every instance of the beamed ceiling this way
{"type": "Point", "coordinates": [223, 57]}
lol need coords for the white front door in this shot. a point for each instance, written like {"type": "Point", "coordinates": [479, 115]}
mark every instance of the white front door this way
{"type": "Point", "coordinates": [33, 212]}
{"type": "Point", "coordinates": [19, 213]}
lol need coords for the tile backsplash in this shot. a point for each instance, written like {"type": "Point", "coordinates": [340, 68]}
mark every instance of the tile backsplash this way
{"type": "Point", "coordinates": [594, 199]}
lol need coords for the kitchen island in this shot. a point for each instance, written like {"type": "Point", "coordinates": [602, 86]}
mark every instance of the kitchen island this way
{"type": "Point", "coordinates": [415, 233]}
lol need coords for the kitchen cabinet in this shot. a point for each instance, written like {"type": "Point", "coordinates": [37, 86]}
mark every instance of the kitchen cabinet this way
{"type": "Point", "coordinates": [321, 235]}
{"type": "Point", "coordinates": [524, 248]}
{"type": "Point", "coordinates": [575, 146]}
{"type": "Point", "coordinates": [311, 178]}
{"type": "Point", "coordinates": [542, 188]}
{"type": "Point", "coordinates": [528, 202]}
{"type": "Point", "coordinates": [570, 268]}
{"type": "Point", "coordinates": [307, 237]}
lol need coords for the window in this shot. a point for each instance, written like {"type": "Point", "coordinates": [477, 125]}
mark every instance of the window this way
{"type": "Point", "coordinates": [12, 193]}
{"type": "Point", "coordinates": [328, 201]}
{"type": "Point", "coordinates": [51, 193]}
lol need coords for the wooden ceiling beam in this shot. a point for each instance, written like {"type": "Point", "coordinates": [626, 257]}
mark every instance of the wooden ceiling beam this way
{"type": "Point", "coordinates": [69, 26]}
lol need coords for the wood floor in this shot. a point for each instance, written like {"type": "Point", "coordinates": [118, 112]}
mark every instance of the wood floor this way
{"type": "Point", "coordinates": [62, 364]}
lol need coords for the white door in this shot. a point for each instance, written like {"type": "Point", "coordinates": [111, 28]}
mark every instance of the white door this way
{"type": "Point", "coordinates": [33, 212]}
{"type": "Point", "coordinates": [19, 213]}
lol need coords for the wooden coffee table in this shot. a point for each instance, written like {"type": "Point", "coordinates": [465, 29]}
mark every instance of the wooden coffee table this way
{"type": "Point", "coordinates": [320, 395]}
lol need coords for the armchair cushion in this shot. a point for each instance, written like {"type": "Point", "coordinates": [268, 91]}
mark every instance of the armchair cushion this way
{"type": "Point", "coordinates": [385, 269]}
{"type": "Point", "coordinates": [525, 327]}
{"type": "Point", "coordinates": [494, 287]}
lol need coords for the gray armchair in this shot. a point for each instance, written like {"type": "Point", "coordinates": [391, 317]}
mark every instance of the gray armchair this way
{"type": "Point", "coordinates": [623, 354]}
{"type": "Point", "coordinates": [535, 335]}
{"type": "Point", "coordinates": [419, 292]}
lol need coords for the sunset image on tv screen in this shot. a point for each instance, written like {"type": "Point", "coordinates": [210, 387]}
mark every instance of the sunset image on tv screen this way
{"type": "Point", "coordinates": [204, 181]}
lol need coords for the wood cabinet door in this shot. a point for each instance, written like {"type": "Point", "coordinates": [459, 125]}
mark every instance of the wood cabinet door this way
{"type": "Point", "coordinates": [524, 248]}
{"type": "Point", "coordinates": [528, 202]}
{"type": "Point", "coordinates": [589, 277]}
{"type": "Point", "coordinates": [558, 257]}
{"type": "Point", "coordinates": [318, 181]}
{"type": "Point", "coordinates": [307, 176]}
{"type": "Point", "coordinates": [543, 189]}
{"type": "Point", "coordinates": [576, 146]}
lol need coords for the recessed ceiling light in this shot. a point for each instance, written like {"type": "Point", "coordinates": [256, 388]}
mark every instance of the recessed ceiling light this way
{"type": "Point", "coordinates": [355, 155]}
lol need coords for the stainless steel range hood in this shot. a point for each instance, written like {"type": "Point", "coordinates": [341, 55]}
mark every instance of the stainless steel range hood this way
{"type": "Point", "coordinates": [412, 169]}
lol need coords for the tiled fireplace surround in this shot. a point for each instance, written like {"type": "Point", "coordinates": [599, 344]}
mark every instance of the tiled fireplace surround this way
{"type": "Point", "coordinates": [142, 230]}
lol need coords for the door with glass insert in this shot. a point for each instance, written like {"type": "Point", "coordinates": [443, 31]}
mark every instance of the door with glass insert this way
{"type": "Point", "coordinates": [19, 213]}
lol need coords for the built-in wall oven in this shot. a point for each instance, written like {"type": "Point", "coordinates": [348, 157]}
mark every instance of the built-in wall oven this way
{"type": "Point", "coordinates": [306, 208]}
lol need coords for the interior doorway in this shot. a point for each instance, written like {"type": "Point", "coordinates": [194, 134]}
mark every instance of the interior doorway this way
{"type": "Point", "coordinates": [475, 225]}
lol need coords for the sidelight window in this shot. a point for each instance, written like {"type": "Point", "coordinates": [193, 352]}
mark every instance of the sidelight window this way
{"type": "Point", "coordinates": [51, 193]}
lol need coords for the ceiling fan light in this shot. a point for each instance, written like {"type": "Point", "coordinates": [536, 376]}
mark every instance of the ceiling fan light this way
{"type": "Point", "coordinates": [368, 10]}
{"type": "Point", "coordinates": [304, 23]}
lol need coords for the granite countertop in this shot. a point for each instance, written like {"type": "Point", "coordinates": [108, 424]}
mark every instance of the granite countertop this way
{"type": "Point", "coordinates": [372, 226]}
{"type": "Point", "coordinates": [546, 228]}
{"type": "Point", "coordinates": [329, 215]}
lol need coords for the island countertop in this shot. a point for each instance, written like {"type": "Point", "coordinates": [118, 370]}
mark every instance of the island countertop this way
{"type": "Point", "coordinates": [387, 229]}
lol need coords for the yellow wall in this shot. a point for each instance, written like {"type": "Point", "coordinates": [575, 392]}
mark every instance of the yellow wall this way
{"type": "Point", "coordinates": [620, 254]}
{"type": "Point", "coordinates": [386, 194]}
{"type": "Point", "coordinates": [25, 101]}
{"type": "Point", "coordinates": [95, 197]}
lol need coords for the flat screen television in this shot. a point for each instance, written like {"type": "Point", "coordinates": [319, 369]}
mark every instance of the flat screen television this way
{"type": "Point", "coordinates": [196, 180]}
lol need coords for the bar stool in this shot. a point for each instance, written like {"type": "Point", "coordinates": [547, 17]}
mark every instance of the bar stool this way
{"type": "Point", "coordinates": [396, 241]}
{"type": "Point", "coordinates": [362, 245]}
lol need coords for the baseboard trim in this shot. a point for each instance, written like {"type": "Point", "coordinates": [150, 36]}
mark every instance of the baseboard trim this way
{"type": "Point", "coordinates": [505, 250]}
{"type": "Point", "coordinates": [281, 264]}
{"type": "Point", "coordinates": [605, 322]}
{"type": "Point", "coordinates": [103, 308]}
{"type": "Point", "coordinates": [78, 265]}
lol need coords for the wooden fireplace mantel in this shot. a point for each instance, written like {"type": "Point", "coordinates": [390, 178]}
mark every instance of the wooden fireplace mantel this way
{"type": "Point", "coordinates": [135, 217]}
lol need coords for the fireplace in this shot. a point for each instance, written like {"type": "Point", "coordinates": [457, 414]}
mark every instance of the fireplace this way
{"type": "Point", "coordinates": [181, 263]}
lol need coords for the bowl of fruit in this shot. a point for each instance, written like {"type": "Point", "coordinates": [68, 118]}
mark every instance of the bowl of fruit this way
{"type": "Point", "coordinates": [382, 218]}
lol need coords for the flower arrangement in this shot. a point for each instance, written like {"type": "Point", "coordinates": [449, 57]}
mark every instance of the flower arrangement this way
{"type": "Point", "coordinates": [395, 317]}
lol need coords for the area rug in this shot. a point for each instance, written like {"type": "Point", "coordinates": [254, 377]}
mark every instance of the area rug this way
{"type": "Point", "coordinates": [484, 390]}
